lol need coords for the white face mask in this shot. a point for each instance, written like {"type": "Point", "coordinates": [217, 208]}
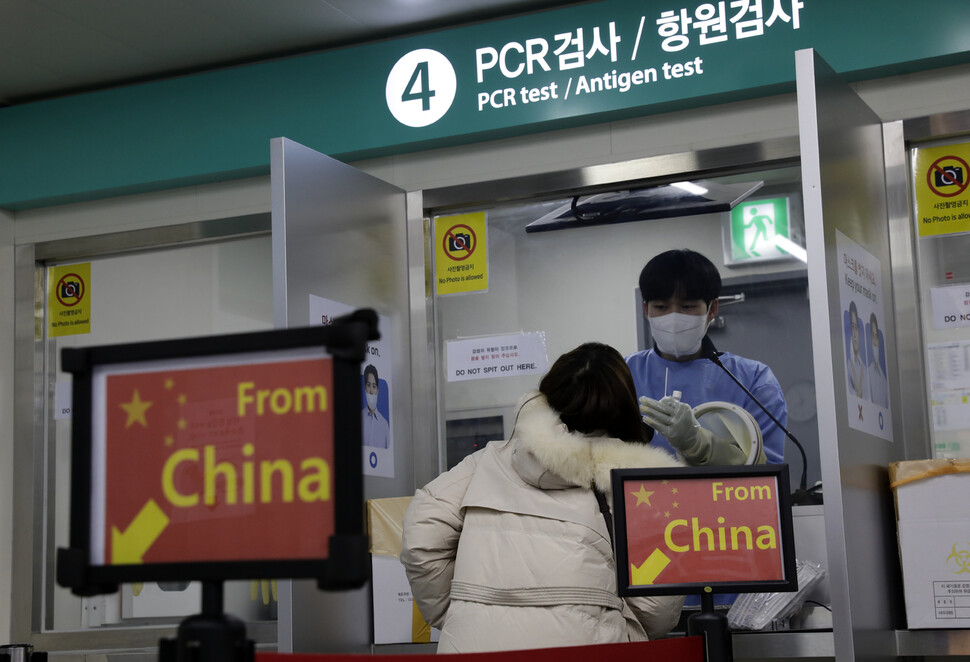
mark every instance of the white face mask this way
{"type": "Point", "coordinates": [678, 334]}
{"type": "Point", "coordinates": [371, 401]}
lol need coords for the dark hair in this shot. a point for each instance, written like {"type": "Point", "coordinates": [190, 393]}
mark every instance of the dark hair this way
{"type": "Point", "coordinates": [592, 390]}
{"type": "Point", "coordinates": [853, 312]}
{"type": "Point", "coordinates": [371, 370]}
{"type": "Point", "coordinates": [682, 272]}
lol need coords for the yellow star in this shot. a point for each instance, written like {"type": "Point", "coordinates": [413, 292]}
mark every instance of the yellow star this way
{"type": "Point", "coordinates": [642, 496]}
{"type": "Point", "coordinates": [182, 399]}
{"type": "Point", "coordinates": [169, 440]}
{"type": "Point", "coordinates": [673, 490]}
{"type": "Point", "coordinates": [182, 424]}
{"type": "Point", "coordinates": [169, 384]}
{"type": "Point", "coordinates": [136, 410]}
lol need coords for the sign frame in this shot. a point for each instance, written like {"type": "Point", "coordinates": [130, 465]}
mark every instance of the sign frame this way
{"type": "Point", "coordinates": [786, 532]}
{"type": "Point", "coordinates": [346, 563]}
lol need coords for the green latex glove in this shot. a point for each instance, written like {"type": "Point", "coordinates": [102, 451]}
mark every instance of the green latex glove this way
{"type": "Point", "coordinates": [676, 421]}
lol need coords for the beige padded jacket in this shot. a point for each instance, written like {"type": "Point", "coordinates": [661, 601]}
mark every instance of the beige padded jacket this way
{"type": "Point", "coordinates": [509, 550]}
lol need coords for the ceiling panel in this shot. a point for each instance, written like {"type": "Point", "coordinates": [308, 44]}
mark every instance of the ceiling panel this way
{"type": "Point", "coordinates": [54, 47]}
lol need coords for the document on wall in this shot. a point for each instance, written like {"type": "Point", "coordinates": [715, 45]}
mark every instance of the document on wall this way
{"type": "Point", "coordinates": [862, 298]}
{"type": "Point", "coordinates": [377, 417]}
{"type": "Point", "coordinates": [949, 372]}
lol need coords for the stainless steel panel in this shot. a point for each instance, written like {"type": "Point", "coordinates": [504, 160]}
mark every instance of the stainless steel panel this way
{"type": "Point", "coordinates": [424, 419]}
{"type": "Point", "coordinates": [933, 642]}
{"type": "Point", "coordinates": [915, 419]}
{"type": "Point", "coordinates": [610, 176]}
{"type": "Point", "coordinates": [844, 189]}
{"type": "Point", "coordinates": [341, 234]}
{"type": "Point", "coordinates": [168, 235]}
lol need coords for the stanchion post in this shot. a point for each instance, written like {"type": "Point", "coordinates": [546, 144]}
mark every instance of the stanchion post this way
{"type": "Point", "coordinates": [212, 636]}
{"type": "Point", "coordinates": [714, 627]}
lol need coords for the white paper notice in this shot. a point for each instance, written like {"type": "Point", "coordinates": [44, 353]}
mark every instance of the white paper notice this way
{"type": "Point", "coordinates": [862, 300]}
{"type": "Point", "coordinates": [62, 400]}
{"type": "Point", "coordinates": [377, 420]}
{"type": "Point", "coordinates": [496, 356]}
{"type": "Point", "coordinates": [951, 306]}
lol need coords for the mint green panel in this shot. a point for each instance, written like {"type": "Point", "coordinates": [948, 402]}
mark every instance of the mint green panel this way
{"type": "Point", "coordinates": [218, 125]}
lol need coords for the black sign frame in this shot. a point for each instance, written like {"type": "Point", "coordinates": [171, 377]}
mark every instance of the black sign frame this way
{"type": "Point", "coordinates": [779, 472]}
{"type": "Point", "coordinates": [347, 562]}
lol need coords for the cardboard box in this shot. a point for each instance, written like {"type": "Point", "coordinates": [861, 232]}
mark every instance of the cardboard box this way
{"type": "Point", "coordinates": [396, 618]}
{"type": "Point", "coordinates": [934, 540]}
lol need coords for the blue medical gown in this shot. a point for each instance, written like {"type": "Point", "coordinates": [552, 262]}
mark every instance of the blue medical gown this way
{"type": "Point", "coordinates": [700, 381]}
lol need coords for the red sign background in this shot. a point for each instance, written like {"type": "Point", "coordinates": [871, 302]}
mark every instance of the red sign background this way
{"type": "Point", "coordinates": [197, 409]}
{"type": "Point", "coordinates": [685, 499]}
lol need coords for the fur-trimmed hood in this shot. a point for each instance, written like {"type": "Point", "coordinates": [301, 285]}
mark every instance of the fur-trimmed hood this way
{"type": "Point", "coordinates": [575, 458]}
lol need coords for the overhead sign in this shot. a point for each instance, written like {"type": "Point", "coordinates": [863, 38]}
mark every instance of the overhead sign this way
{"type": "Point", "coordinates": [461, 254]}
{"type": "Point", "coordinates": [703, 529]}
{"type": "Point", "coordinates": [941, 176]}
{"type": "Point", "coordinates": [227, 457]}
{"type": "Point", "coordinates": [583, 63]}
{"type": "Point", "coordinates": [69, 300]}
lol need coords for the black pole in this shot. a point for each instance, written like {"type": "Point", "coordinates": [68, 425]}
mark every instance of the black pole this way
{"type": "Point", "coordinates": [211, 636]}
{"type": "Point", "coordinates": [714, 627]}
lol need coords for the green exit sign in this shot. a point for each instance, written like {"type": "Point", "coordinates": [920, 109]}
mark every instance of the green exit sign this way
{"type": "Point", "coordinates": [761, 230]}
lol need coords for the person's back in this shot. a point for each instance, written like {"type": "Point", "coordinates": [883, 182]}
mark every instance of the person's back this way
{"type": "Point", "coordinates": [511, 548]}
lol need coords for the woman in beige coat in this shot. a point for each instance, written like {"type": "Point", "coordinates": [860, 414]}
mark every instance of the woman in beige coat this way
{"type": "Point", "coordinates": [512, 548]}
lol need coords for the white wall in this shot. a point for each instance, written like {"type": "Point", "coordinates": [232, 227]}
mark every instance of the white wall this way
{"type": "Point", "coordinates": [6, 419]}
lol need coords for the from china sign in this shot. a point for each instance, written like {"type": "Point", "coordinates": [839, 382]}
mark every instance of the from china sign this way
{"type": "Point", "coordinates": [203, 463]}
{"type": "Point", "coordinates": [704, 529]}
{"type": "Point", "coordinates": [220, 457]}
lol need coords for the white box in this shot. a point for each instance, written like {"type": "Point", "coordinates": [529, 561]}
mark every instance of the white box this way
{"type": "Point", "coordinates": [934, 541]}
{"type": "Point", "coordinates": [396, 620]}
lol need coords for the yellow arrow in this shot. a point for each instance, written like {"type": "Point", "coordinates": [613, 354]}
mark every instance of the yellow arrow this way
{"type": "Point", "coordinates": [649, 569]}
{"type": "Point", "coordinates": [129, 546]}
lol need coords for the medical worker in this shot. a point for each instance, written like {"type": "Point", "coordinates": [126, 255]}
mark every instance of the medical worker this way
{"type": "Point", "coordinates": [679, 290]}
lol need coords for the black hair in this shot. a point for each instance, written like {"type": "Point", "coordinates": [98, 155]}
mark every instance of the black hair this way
{"type": "Point", "coordinates": [592, 390]}
{"type": "Point", "coordinates": [369, 369]}
{"type": "Point", "coordinates": [680, 272]}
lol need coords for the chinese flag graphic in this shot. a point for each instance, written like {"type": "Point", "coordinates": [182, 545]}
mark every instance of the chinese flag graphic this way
{"type": "Point", "coordinates": [224, 463]}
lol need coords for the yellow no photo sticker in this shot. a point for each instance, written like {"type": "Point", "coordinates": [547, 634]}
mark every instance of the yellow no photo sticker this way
{"type": "Point", "coordinates": [69, 300]}
{"type": "Point", "coordinates": [461, 254]}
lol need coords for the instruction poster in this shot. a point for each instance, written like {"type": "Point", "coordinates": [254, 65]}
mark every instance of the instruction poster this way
{"type": "Point", "coordinates": [69, 300]}
{"type": "Point", "coordinates": [461, 254]}
{"type": "Point", "coordinates": [508, 355]}
{"type": "Point", "coordinates": [377, 417]}
{"type": "Point", "coordinates": [862, 299]}
{"type": "Point", "coordinates": [941, 175]}
{"type": "Point", "coordinates": [948, 365]}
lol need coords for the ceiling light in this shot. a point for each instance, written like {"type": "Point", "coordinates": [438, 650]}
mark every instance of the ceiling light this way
{"type": "Point", "coordinates": [690, 187]}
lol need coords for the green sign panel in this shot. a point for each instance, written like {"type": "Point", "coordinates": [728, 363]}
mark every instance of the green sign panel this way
{"type": "Point", "coordinates": [586, 63]}
{"type": "Point", "coordinates": [760, 230]}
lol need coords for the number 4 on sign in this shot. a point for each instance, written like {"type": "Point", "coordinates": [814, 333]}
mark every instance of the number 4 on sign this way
{"type": "Point", "coordinates": [419, 87]}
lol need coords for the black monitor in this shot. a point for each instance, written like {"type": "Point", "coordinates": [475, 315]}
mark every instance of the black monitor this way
{"type": "Point", "coordinates": [703, 530]}
{"type": "Point", "coordinates": [217, 458]}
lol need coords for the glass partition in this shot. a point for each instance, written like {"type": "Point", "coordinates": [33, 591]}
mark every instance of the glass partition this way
{"type": "Point", "coordinates": [548, 291]}
{"type": "Point", "coordinates": [190, 290]}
